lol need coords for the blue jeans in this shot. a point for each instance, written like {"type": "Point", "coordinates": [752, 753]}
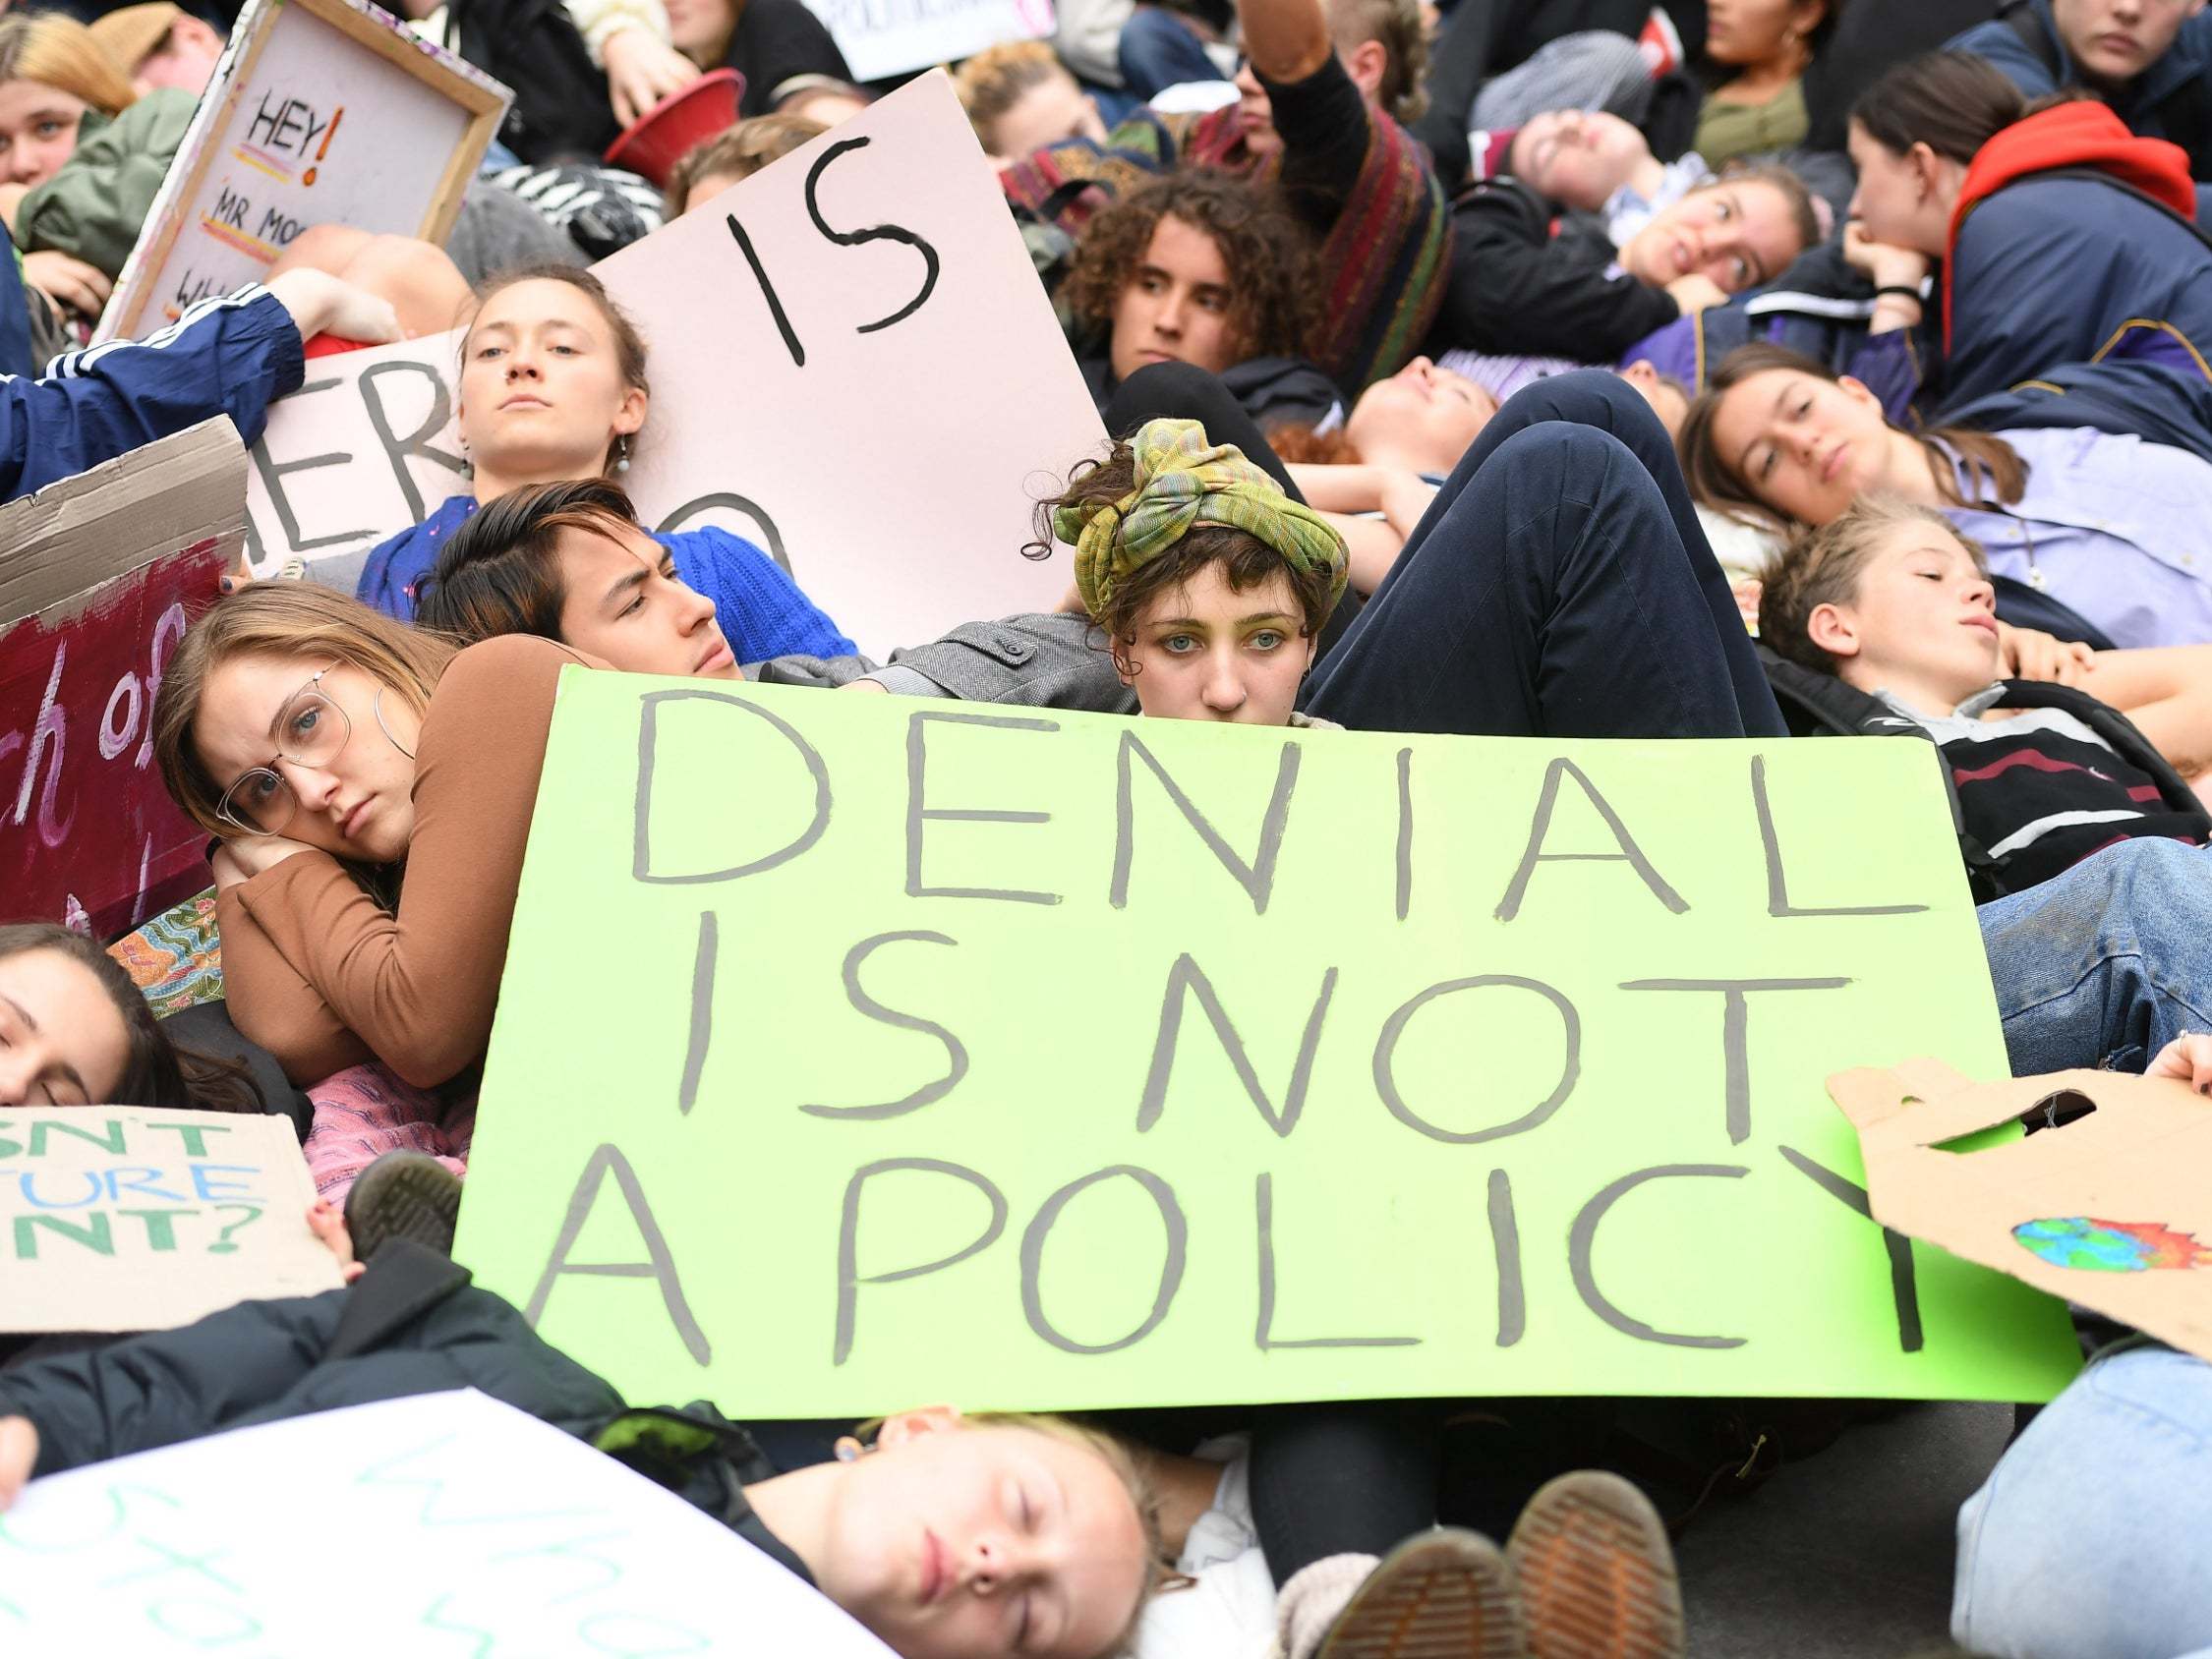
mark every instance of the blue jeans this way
{"type": "Point", "coordinates": [2088, 1536]}
{"type": "Point", "coordinates": [2106, 964]}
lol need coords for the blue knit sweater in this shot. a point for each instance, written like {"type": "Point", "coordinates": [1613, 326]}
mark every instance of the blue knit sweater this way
{"type": "Point", "coordinates": [761, 609]}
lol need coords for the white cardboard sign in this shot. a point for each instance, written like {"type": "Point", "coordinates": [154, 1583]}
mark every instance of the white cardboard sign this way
{"type": "Point", "coordinates": [444, 1523]}
{"type": "Point", "coordinates": [320, 112]}
{"type": "Point", "coordinates": [853, 365]}
{"type": "Point", "coordinates": [881, 38]}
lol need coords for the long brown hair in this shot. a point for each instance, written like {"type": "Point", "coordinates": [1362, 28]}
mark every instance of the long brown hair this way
{"type": "Point", "coordinates": [280, 619]}
{"type": "Point", "coordinates": [156, 1072]}
{"type": "Point", "coordinates": [1953, 103]}
{"type": "Point", "coordinates": [58, 51]}
{"type": "Point", "coordinates": [1993, 465]}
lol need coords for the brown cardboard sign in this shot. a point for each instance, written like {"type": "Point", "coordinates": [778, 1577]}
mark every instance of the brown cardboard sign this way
{"type": "Point", "coordinates": [2110, 1210]}
{"type": "Point", "coordinates": [120, 1219]}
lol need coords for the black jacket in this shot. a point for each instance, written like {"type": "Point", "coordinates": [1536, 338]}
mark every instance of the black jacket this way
{"type": "Point", "coordinates": [411, 1325]}
{"type": "Point", "coordinates": [1528, 280]}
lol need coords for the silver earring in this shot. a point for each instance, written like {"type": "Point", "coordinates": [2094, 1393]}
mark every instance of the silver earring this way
{"type": "Point", "coordinates": [849, 1450]}
{"type": "Point", "coordinates": [377, 708]}
{"type": "Point", "coordinates": [621, 452]}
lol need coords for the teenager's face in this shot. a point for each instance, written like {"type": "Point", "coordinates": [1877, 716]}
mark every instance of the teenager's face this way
{"type": "Point", "coordinates": [1923, 617]}
{"type": "Point", "coordinates": [1577, 156]}
{"type": "Point", "coordinates": [1422, 416]}
{"type": "Point", "coordinates": [1739, 235]}
{"type": "Point", "coordinates": [1667, 397]}
{"type": "Point", "coordinates": [701, 29]}
{"type": "Point", "coordinates": [62, 1042]}
{"type": "Point", "coordinates": [706, 187]}
{"type": "Point", "coordinates": [37, 130]}
{"type": "Point", "coordinates": [1756, 31]}
{"type": "Point", "coordinates": [1205, 652]}
{"type": "Point", "coordinates": [357, 799]}
{"type": "Point", "coordinates": [542, 388]}
{"type": "Point", "coordinates": [1805, 445]}
{"type": "Point", "coordinates": [2115, 40]}
{"type": "Point", "coordinates": [972, 1543]}
{"type": "Point", "coordinates": [624, 604]}
{"type": "Point", "coordinates": [1175, 306]}
{"type": "Point", "coordinates": [1053, 110]}
{"type": "Point", "coordinates": [184, 59]}
{"type": "Point", "coordinates": [1900, 198]}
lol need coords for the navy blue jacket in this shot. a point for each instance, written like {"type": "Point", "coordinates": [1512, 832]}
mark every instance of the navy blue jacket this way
{"type": "Point", "coordinates": [229, 356]}
{"type": "Point", "coordinates": [2146, 400]}
{"type": "Point", "coordinates": [2158, 103]}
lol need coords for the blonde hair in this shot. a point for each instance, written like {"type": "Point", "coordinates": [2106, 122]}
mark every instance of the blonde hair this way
{"type": "Point", "coordinates": [60, 52]}
{"type": "Point", "coordinates": [280, 619]}
{"type": "Point", "coordinates": [737, 152]}
{"type": "Point", "coordinates": [998, 78]}
{"type": "Point", "coordinates": [1399, 27]}
{"type": "Point", "coordinates": [1159, 1572]}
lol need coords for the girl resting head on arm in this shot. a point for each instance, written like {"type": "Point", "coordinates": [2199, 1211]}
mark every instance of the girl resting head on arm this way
{"type": "Point", "coordinates": [1209, 582]}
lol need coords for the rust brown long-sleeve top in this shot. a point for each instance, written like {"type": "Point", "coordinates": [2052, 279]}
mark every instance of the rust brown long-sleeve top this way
{"type": "Point", "coordinates": [322, 977]}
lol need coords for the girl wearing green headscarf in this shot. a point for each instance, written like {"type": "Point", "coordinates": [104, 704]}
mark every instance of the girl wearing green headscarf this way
{"type": "Point", "coordinates": [1209, 582]}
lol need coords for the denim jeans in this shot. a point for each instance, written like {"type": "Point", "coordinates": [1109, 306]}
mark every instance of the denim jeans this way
{"type": "Point", "coordinates": [2088, 1536]}
{"type": "Point", "coordinates": [2105, 964]}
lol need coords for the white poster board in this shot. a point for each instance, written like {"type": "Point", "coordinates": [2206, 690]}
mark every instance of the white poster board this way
{"type": "Point", "coordinates": [320, 112]}
{"type": "Point", "coordinates": [870, 385]}
{"type": "Point", "coordinates": [446, 1523]}
{"type": "Point", "coordinates": [881, 38]}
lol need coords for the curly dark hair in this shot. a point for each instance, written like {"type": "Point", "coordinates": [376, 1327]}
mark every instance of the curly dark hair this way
{"type": "Point", "coordinates": [1275, 299]}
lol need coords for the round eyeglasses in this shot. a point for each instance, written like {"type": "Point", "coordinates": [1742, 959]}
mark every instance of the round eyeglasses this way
{"type": "Point", "coordinates": [309, 731]}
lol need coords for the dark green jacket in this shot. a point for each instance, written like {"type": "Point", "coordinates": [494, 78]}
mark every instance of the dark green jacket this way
{"type": "Point", "coordinates": [93, 209]}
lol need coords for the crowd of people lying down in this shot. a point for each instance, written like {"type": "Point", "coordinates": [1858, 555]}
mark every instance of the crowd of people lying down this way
{"type": "Point", "coordinates": [1796, 370]}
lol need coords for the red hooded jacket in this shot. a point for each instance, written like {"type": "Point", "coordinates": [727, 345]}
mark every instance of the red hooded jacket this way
{"type": "Point", "coordinates": [2069, 135]}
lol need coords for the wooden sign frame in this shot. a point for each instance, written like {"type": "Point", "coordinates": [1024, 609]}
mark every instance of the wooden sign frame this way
{"type": "Point", "coordinates": [485, 100]}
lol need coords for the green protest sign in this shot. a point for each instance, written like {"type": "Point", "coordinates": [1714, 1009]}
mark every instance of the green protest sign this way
{"type": "Point", "coordinates": [859, 1050]}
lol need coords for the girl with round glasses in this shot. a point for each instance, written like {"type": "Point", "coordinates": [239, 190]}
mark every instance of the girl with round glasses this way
{"type": "Point", "coordinates": [334, 752]}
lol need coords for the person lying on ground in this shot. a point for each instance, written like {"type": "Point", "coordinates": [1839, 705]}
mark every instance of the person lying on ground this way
{"type": "Point", "coordinates": [82, 155]}
{"type": "Point", "coordinates": [230, 355]}
{"type": "Point", "coordinates": [1021, 97]}
{"type": "Point", "coordinates": [1200, 268]}
{"type": "Point", "coordinates": [2149, 60]}
{"type": "Point", "coordinates": [1321, 97]}
{"type": "Point", "coordinates": [75, 1031]}
{"type": "Point", "coordinates": [1894, 603]}
{"type": "Point", "coordinates": [553, 385]}
{"type": "Point", "coordinates": [158, 44]}
{"type": "Point", "coordinates": [2055, 237]}
{"type": "Point", "coordinates": [1526, 281]}
{"type": "Point", "coordinates": [371, 789]}
{"type": "Point", "coordinates": [947, 1538]}
{"type": "Point", "coordinates": [2082, 486]}
{"type": "Point", "coordinates": [1592, 162]}
{"type": "Point", "coordinates": [425, 289]}
{"type": "Point", "coordinates": [707, 169]}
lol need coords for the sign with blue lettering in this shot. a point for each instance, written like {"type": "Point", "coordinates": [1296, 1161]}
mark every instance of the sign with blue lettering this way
{"type": "Point", "coordinates": [118, 1218]}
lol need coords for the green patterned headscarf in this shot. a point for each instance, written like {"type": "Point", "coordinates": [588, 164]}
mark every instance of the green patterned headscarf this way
{"type": "Point", "coordinates": [1181, 481]}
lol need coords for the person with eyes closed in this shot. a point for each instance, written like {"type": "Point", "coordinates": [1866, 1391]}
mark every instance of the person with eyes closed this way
{"type": "Point", "coordinates": [2084, 487]}
{"type": "Point", "coordinates": [1528, 281]}
{"type": "Point", "coordinates": [552, 387]}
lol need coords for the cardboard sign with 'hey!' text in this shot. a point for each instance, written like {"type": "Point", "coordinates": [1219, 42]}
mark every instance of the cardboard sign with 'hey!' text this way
{"type": "Point", "coordinates": [1029, 1058]}
{"type": "Point", "coordinates": [854, 366]}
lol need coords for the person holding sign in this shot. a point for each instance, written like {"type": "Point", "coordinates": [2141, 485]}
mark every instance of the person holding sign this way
{"type": "Point", "coordinates": [552, 387]}
{"type": "Point", "coordinates": [947, 1538]}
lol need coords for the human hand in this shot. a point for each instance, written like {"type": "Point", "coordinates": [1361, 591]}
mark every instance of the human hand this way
{"type": "Point", "coordinates": [2023, 653]}
{"type": "Point", "coordinates": [19, 1455]}
{"type": "Point", "coordinates": [641, 71]}
{"type": "Point", "coordinates": [2189, 1057]}
{"type": "Point", "coordinates": [82, 288]}
{"type": "Point", "coordinates": [1747, 591]}
{"type": "Point", "coordinates": [865, 685]}
{"type": "Point", "coordinates": [247, 856]}
{"type": "Point", "coordinates": [328, 1223]}
{"type": "Point", "coordinates": [1884, 264]}
{"type": "Point", "coordinates": [1695, 292]}
{"type": "Point", "coordinates": [321, 304]}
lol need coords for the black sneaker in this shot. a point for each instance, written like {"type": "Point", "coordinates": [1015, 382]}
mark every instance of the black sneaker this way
{"type": "Point", "coordinates": [403, 1195]}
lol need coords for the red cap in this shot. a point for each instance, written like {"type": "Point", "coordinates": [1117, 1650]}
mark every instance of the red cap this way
{"type": "Point", "coordinates": [664, 135]}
